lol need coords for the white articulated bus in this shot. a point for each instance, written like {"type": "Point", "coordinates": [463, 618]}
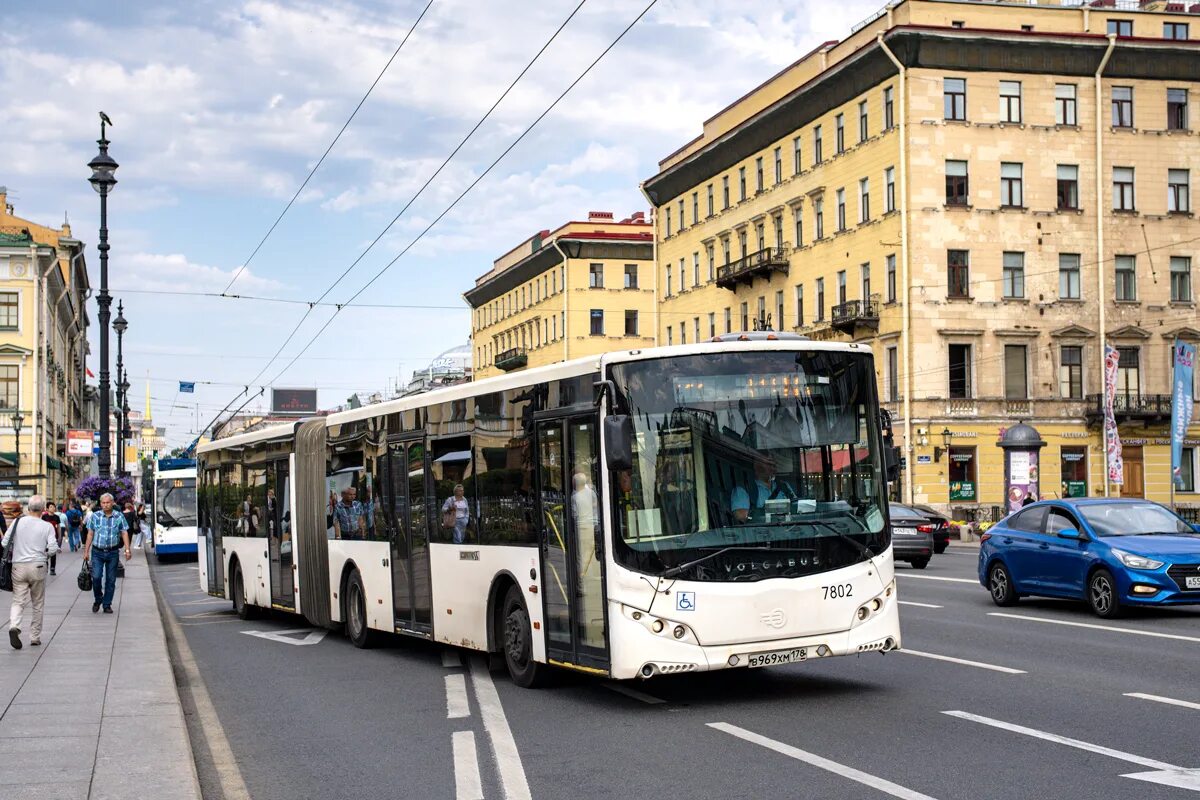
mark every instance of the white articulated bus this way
{"type": "Point", "coordinates": [174, 507]}
{"type": "Point", "coordinates": [638, 513]}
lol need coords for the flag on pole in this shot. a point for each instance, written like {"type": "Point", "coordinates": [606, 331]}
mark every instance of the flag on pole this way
{"type": "Point", "coordinates": [188, 387]}
{"type": "Point", "coordinates": [1183, 362]}
{"type": "Point", "coordinates": [1112, 439]}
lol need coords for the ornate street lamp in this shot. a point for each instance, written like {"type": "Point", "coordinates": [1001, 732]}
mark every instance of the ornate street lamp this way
{"type": "Point", "coordinates": [18, 420]}
{"type": "Point", "coordinates": [103, 180]}
{"type": "Point", "coordinates": [120, 325]}
{"type": "Point", "coordinates": [124, 421]}
{"type": "Point", "coordinates": [947, 438]}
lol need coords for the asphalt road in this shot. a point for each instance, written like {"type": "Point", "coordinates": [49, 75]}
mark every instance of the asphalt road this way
{"type": "Point", "coordinates": [1044, 701]}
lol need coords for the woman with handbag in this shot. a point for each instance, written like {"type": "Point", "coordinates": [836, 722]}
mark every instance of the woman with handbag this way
{"type": "Point", "coordinates": [27, 545]}
{"type": "Point", "coordinates": [456, 514]}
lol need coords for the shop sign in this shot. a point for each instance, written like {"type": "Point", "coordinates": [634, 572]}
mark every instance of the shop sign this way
{"type": "Point", "coordinates": [1074, 488]}
{"type": "Point", "coordinates": [924, 459]}
{"type": "Point", "coordinates": [962, 490]}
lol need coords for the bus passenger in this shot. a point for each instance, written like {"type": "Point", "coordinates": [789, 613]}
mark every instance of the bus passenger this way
{"type": "Point", "coordinates": [766, 486]}
{"type": "Point", "coordinates": [456, 514]}
{"type": "Point", "coordinates": [349, 520]}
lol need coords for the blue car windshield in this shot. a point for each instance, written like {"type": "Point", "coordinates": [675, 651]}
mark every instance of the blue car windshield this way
{"type": "Point", "coordinates": [1131, 519]}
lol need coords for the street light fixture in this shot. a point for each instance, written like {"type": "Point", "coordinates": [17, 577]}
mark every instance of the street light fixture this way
{"type": "Point", "coordinates": [18, 421]}
{"type": "Point", "coordinates": [947, 438]}
{"type": "Point", "coordinates": [103, 180]}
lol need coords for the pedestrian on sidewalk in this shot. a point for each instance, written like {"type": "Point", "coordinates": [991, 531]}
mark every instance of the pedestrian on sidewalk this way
{"type": "Point", "coordinates": [75, 526]}
{"type": "Point", "coordinates": [50, 517]}
{"type": "Point", "coordinates": [32, 539]}
{"type": "Point", "coordinates": [107, 533]}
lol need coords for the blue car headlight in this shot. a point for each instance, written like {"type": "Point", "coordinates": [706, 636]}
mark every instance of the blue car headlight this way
{"type": "Point", "coordinates": [1136, 562]}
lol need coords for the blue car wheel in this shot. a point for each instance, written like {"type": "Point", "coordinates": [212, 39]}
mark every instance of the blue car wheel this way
{"type": "Point", "coordinates": [1102, 595]}
{"type": "Point", "coordinates": [1000, 585]}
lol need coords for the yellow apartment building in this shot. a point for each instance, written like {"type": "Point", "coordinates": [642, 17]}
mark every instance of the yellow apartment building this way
{"type": "Point", "coordinates": [43, 350]}
{"type": "Point", "coordinates": [984, 193]}
{"type": "Point", "coordinates": [584, 288]}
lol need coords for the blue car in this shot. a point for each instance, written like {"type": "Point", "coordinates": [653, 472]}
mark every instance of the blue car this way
{"type": "Point", "coordinates": [1111, 553]}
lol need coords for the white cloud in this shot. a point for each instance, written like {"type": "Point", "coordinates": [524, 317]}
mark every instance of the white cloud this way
{"type": "Point", "coordinates": [174, 272]}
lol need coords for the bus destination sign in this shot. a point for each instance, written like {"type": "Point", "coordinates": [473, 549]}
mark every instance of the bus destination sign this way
{"type": "Point", "coordinates": [294, 402]}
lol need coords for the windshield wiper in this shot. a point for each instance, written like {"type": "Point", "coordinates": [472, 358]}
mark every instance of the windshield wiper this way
{"type": "Point", "coordinates": [862, 548]}
{"type": "Point", "coordinates": [673, 571]}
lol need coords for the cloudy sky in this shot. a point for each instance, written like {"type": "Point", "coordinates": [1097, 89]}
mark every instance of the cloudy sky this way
{"type": "Point", "coordinates": [220, 110]}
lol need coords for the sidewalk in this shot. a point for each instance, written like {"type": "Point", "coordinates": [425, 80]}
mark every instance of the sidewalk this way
{"type": "Point", "coordinates": [93, 714]}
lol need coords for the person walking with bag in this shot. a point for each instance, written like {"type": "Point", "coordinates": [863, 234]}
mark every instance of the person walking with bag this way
{"type": "Point", "coordinates": [107, 533]}
{"type": "Point", "coordinates": [32, 540]}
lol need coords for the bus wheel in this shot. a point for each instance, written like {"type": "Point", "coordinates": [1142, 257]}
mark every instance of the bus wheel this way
{"type": "Point", "coordinates": [357, 629]}
{"type": "Point", "coordinates": [238, 588]}
{"type": "Point", "coordinates": [518, 643]}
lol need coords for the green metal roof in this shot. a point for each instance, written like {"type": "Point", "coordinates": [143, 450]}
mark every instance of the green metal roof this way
{"type": "Point", "coordinates": [22, 239]}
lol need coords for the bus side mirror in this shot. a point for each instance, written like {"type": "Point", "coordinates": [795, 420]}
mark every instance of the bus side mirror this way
{"type": "Point", "coordinates": [891, 463]}
{"type": "Point", "coordinates": [618, 441]}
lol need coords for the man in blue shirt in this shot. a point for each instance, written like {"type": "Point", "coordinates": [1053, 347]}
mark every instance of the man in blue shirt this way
{"type": "Point", "coordinates": [108, 532]}
{"type": "Point", "coordinates": [349, 516]}
{"type": "Point", "coordinates": [766, 487]}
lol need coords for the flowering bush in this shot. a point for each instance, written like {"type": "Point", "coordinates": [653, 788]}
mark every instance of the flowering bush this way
{"type": "Point", "coordinates": [92, 487]}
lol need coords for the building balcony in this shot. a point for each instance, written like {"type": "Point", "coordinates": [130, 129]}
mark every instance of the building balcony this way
{"type": "Point", "coordinates": [516, 358]}
{"type": "Point", "coordinates": [760, 264]}
{"type": "Point", "coordinates": [1147, 408]}
{"type": "Point", "coordinates": [850, 315]}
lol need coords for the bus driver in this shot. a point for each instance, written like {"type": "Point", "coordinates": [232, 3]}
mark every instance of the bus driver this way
{"type": "Point", "coordinates": [766, 487]}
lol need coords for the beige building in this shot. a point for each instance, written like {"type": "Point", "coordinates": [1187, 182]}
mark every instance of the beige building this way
{"type": "Point", "coordinates": [984, 193]}
{"type": "Point", "coordinates": [584, 288]}
{"type": "Point", "coordinates": [43, 350]}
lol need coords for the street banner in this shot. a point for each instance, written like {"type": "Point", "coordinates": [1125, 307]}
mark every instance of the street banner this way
{"type": "Point", "coordinates": [79, 443]}
{"type": "Point", "coordinates": [1112, 439]}
{"type": "Point", "coordinates": [187, 387]}
{"type": "Point", "coordinates": [1183, 363]}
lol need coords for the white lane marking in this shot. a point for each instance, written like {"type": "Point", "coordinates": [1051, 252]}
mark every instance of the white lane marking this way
{"type": "Point", "coordinates": [918, 605]}
{"type": "Point", "coordinates": [885, 786]}
{"type": "Point", "coordinates": [1167, 700]}
{"type": "Point", "coordinates": [456, 697]}
{"type": "Point", "coordinates": [504, 747]}
{"type": "Point", "coordinates": [467, 784]}
{"type": "Point", "coordinates": [1094, 626]}
{"type": "Point", "coordinates": [937, 578]}
{"type": "Point", "coordinates": [648, 699]}
{"type": "Point", "coordinates": [1161, 772]}
{"type": "Point", "coordinates": [451, 659]}
{"type": "Point", "coordinates": [963, 661]}
{"type": "Point", "coordinates": [290, 636]}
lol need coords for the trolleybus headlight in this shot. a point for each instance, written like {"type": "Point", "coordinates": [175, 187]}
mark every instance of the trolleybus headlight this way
{"type": "Point", "coordinates": [876, 604]}
{"type": "Point", "coordinates": [679, 631]}
{"type": "Point", "coordinates": [864, 612]}
{"type": "Point", "coordinates": [657, 626]}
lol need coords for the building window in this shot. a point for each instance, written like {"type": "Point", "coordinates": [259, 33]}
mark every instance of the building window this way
{"type": "Point", "coordinates": [1177, 109]}
{"type": "Point", "coordinates": [954, 95]}
{"type": "Point", "coordinates": [631, 323]}
{"type": "Point", "coordinates": [960, 371]}
{"type": "Point", "coordinates": [820, 312]}
{"type": "Point", "coordinates": [957, 274]}
{"type": "Point", "coordinates": [817, 145]}
{"type": "Point", "coordinates": [888, 109]}
{"type": "Point", "coordinates": [668, 234]}
{"type": "Point", "coordinates": [712, 324]}
{"type": "Point", "coordinates": [683, 333]}
{"type": "Point", "coordinates": [1123, 199]}
{"type": "Point", "coordinates": [695, 269]}
{"type": "Point", "coordinates": [725, 248]}
{"type": "Point", "coordinates": [760, 231]}
{"type": "Point", "coordinates": [1068, 276]}
{"type": "Point", "coordinates": [1129, 376]}
{"type": "Point", "coordinates": [741, 183]}
{"type": "Point", "coordinates": [778, 165]}
{"type": "Point", "coordinates": [596, 276]}
{"type": "Point", "coordinates": [799, 305]}
{"type": "Point", "coordinates": [728, 320]}
{"type": "Point", "coordinates": [745, 316]}
{"type": "Point", "coordinates": [631, 276]}
{"type": "Point", "coordinates": [891, 380]}
{"type": "Point", "coordinates": [709, 192]}
{"type": "Point", "coordinates": [798, 216]}
{"type": "Point", "coordinates": [1012, 193]}
{"type": "Point", "coordinates": [779, 310]}
{"type": "Point", "coordinates": [957, 183]}
{"type": "Point", "coordinates": [725, 191]}
{"type": "Point", "coordinates": [1064, 104]}
{"type": "Point", "coordinates": [1175, 30]}
{"type": "Point", "coordinates": [1068, 187]}
{"type": "Point", "coordinates": [10, 396]}
{"type": "Point", "coordinates": [682, 276]}
{"type": "Point", "coordinates": [841, 286]}
{"type": "Point", "coordinates": [841, 209]}
{"type": "Point", "coordinates": [1121, 27]}
{"type": "Point", "coordinates": [819, 217]}
{"type": "Point", "coordinates": [796, 156]}
{"type": "Point", "coordinates": [668, 283]}
{"type": "Point", "coordinates": [1187, 469]}
{"type": "Point", "coordinates": [670, 336]}
{"type": "Point", "coordinates": [1016, 372]}
{"type": "Point", "coordinates": [864, 200]}
{"type": "Point", "coordinates": [840, 132]}
{"type": "Point", "coordinates": [1181, 279]}
{"type": "Point", "coordinates": [9, 311]}
{"type": "Point", "coordinates": [742, 243]}
{"type": "Point", "coordinates": [695, 329]}
{"type": "Point", "coordinates": [758, 175]}
{"type": "Point", "coordinates": [863, 132]}
{"type": "Point", "coordinates": [1126, 274]}
{"type": "Point", "coordinates": [1178, 191]}
{"type": "Point", "coordinates": [1070, 372]}
{"type": "Point", "coordinates": [597, 318]}
{"type": "Point", "coordinates": [682, 224]}
{"type": "Point", "coordinates": [761, 319]}
{"type": "Point", "coordinates": [1014, 275]}
{"type": "Point", "coordinates": [712, 262]}
{"type": "Point", "coordinates": [1122, 106]}
{"type": "Point", "coordinates": [891, 278]}
{"type": "Point", "coordinates": [695, 207]}
{"type": "Point", "coordinates": [778, 222]}
{"type": "Point", "coordinates": [1010, 101]}
{"type": "Point", "coordinates": [864, 274]}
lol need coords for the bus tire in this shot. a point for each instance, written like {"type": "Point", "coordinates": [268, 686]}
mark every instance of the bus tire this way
{"type": "Point", "coordinates": [517, 642]}
{"type": "Point", "coordinates": [357, 628]}
{"type": "Point", "coordinates": [237, 588]}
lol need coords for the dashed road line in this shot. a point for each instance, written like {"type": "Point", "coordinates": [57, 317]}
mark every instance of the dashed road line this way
{"type": "Point", "coordinates": [495, 723]}
{"type": "Point", "coordinates": [1093, 626]}
{"type": "Point", "coordinates": [964, 662]}
{"type": "Point", "coordinates": [918, 605]}
{"type": "Point", "coordinates": [936, 578]}
{"type": "Point", "coordinates": [1170, 701]}
{"type": "Point", "coordinates": [457, 706]}
{"type": "Point", "coordinates": [467, 783]}
{"type": "Point", "coordinates": [880, 784]}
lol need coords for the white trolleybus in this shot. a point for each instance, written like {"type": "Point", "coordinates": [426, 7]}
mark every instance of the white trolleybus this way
{"type": "Point", "coordinates": [638, 513]}
{"type": "Point", "coordinates": [174, 507]}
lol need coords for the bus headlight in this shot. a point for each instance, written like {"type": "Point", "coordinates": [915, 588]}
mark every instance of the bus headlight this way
{"type": "Point", "coordinates": [657, 626]}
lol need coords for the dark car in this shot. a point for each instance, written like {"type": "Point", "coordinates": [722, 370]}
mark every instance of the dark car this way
{"type": "Point", "coordinates": [1112, 553]}
{"type": "Point", "coordinates": [941, 526]}
{"type": "Point", "coordinates": [912, 537]}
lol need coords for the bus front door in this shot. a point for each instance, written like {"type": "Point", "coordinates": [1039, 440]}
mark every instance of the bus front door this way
{"type": "Point", "coordinates": [572, 541]}
{"type": "Point", "coordinates": [412, 592]}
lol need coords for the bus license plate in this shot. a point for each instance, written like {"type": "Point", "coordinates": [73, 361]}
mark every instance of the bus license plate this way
{"type": "Point", "coordinates": [777, 657]}
{"type": "Point", "coordinates": [1191, 582]}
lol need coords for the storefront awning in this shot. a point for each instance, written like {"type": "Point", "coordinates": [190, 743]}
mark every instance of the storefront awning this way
{"type": "Point", "coordinates": [8, 459]}
{"type": "Point", "coordinates": [53, 463]}
{"type": "Point", "coordinates": [457, 455]}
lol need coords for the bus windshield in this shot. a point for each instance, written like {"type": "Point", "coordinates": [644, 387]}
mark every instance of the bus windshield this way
{"type": "Point", "coordinates": [176, 506]}
{"type": "Point", "coordinates": [751, 465]}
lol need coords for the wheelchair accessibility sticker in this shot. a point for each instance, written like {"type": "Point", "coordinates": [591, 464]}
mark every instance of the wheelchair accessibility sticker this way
{"type": "Point", "coordinates": [685, 601]}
